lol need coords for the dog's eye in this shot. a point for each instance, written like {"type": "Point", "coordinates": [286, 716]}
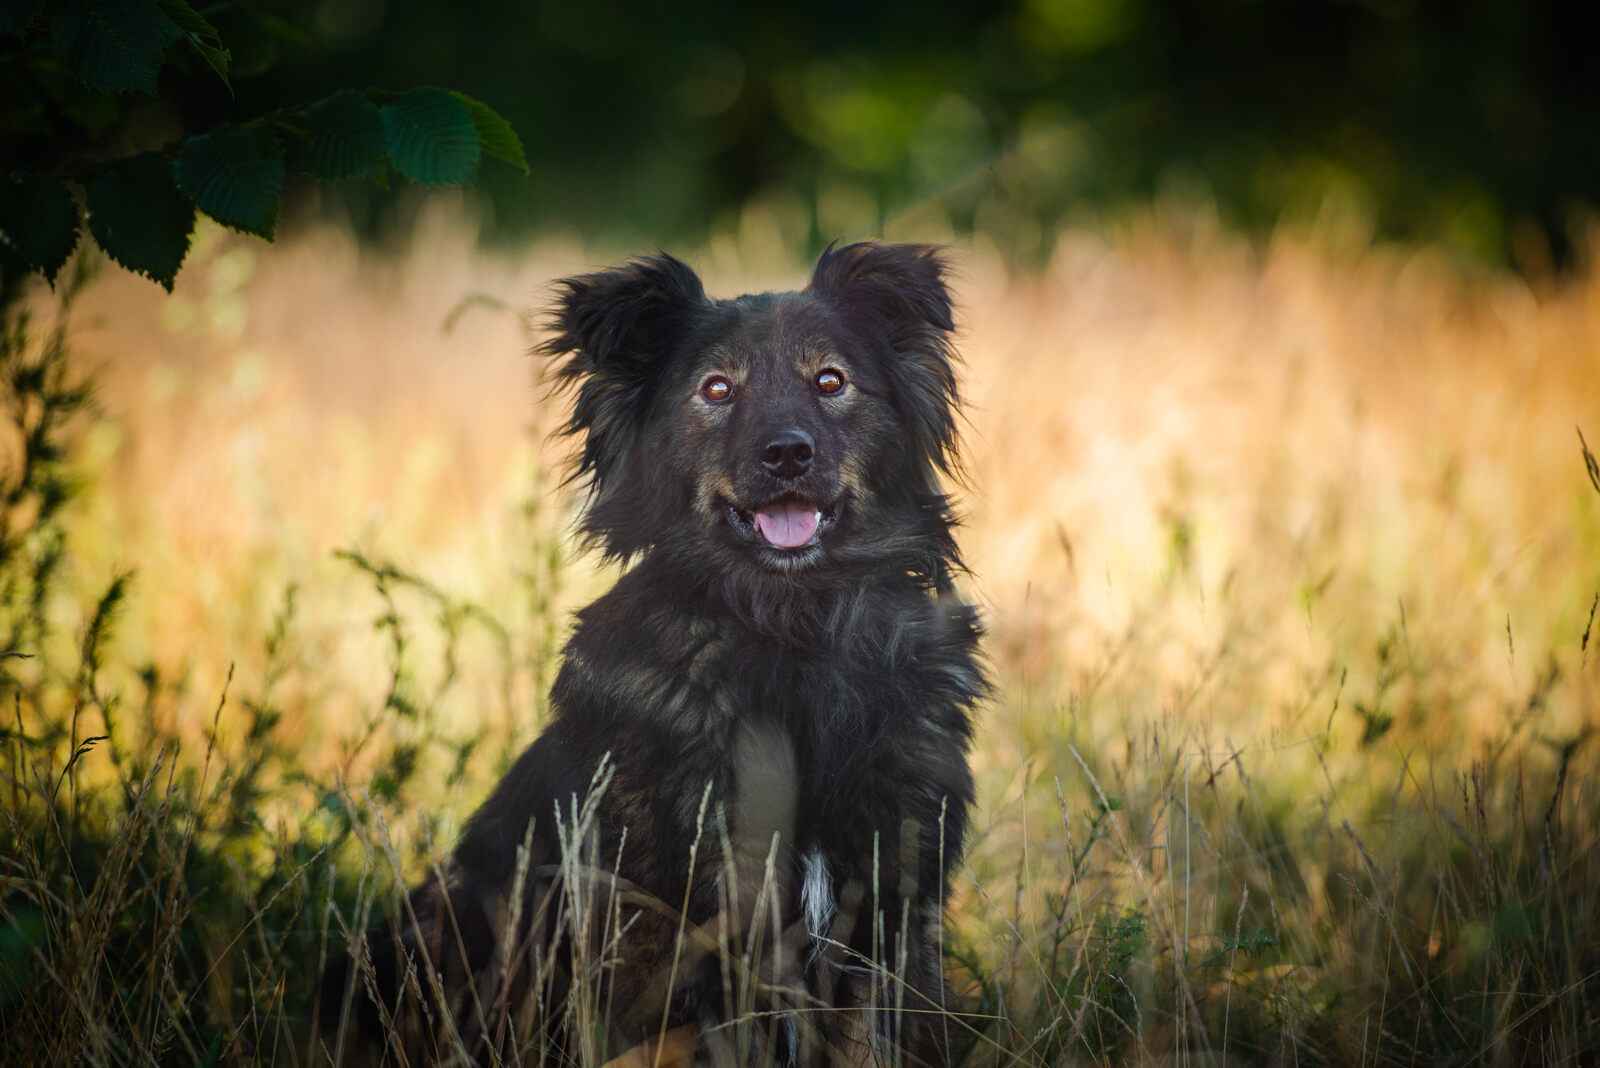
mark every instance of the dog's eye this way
{"type": "Point", "coordinates": [830, 382]}
{"type": "Point", "coordinates": [716, 389]}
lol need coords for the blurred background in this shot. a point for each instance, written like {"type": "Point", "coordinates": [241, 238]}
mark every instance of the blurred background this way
{"type": "Point", "coordinates": [1470, 123]}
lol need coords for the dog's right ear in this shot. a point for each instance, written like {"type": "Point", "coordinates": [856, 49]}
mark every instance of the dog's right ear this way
{"type": "Point", "coordinates": [618, 328]}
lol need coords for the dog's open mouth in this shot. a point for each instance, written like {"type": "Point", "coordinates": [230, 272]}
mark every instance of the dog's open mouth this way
{"type": "Point", "coordinates": [788, 523]}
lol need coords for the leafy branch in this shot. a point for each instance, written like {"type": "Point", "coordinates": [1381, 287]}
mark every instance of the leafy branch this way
{"type": "Point", "coordinates": [82, 58]}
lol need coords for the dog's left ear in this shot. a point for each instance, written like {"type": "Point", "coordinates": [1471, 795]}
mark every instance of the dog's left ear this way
{"type": "Point", "coordinates": [896, 295]}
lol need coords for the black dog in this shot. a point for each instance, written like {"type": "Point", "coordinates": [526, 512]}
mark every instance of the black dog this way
{"type": "Point", "coordinates": [745, 812]}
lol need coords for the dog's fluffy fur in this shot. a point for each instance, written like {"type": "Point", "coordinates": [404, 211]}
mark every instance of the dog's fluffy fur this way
{"type": "Point", "coordinates": [733, 700]}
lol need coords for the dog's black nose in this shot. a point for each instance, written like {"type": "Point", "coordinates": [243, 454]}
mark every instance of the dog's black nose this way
{"type": "Point", "coordinates": [788, 454]}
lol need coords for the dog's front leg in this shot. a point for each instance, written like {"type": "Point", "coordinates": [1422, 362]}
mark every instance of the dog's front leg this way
{"type": "Point", "coordinates": [881, 958]}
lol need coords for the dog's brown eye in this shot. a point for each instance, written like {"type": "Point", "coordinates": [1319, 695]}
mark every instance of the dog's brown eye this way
{"type": "Point", "coordinates": [830, 382]}
{"type": "Point", "coordinates": [716, 389]}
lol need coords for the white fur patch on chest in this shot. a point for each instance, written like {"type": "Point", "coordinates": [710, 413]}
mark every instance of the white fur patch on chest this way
{"type": "Point", "coordinates": [816, 898]}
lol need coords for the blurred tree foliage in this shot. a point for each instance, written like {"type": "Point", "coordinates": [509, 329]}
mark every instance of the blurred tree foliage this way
{"type": "Point", "coordinates": [1469, 121]}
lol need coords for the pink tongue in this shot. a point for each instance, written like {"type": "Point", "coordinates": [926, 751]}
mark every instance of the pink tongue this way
{"type": "Point", "coordinates": [787, 525]}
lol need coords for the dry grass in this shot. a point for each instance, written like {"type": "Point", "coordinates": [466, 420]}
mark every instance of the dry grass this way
{"type": "Point", "coordinates": [1287, 547]}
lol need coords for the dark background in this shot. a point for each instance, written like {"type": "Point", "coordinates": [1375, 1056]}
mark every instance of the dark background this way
{"type": "Point", "coordinates": [1470, 123]}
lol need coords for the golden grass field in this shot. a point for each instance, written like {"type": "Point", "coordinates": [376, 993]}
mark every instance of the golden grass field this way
{"type": "Point", "coordinates": [1249, 458]}
{"type": "Point", "coordinates": [1286, 545]}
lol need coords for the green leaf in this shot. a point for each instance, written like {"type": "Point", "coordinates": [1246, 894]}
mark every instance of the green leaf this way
{"type": "Point", "coordinates": [39, 221]}
{"type": "Point", "coordinates": [139, 216]}
{"type": "Point", "coordinates": [202, 36]}
{"type": "Point", "coordinates": [495, 133]}
{"type": "Point", "coordinates": [431, 137]}
{"type": "Point", "coordinates": [342, 138]}
{"type": "Point", "coordinates": [235, 175]}
{"type": "Point", "coordinates": [114, 45]}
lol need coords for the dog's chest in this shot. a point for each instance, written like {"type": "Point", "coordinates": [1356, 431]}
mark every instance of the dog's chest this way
{"type": "Point", "coordinates": [769, 841]}
{"type": "Point", "coordinates": [767, 787]}
{"type": "Point", "coordinates": [815, 723]}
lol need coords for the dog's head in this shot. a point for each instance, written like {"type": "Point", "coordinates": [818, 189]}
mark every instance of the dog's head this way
{"type": "Point", "coordinates": [796, 434]}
